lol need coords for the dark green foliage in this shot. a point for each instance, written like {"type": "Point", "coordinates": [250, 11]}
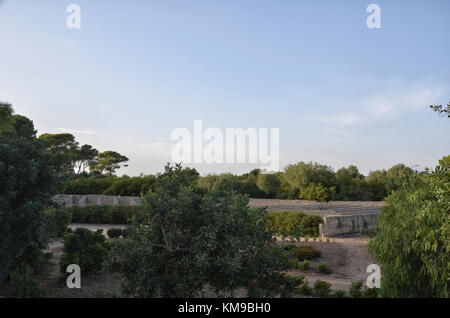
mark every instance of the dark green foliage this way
{"type": "Point", "coordinates": [321, 289]}
{"type": "Point", "coordinates": [84, 248]}
{"type": "Point", "coordinates": [355, 289]}
{"type": "Point", "coordinates": [269, 184]}
{"type": "Point", "coordinates": [27, 182]}
{"type": "Point", "coordinates": [24, 284]}
{"type": "Point", "coordinates": [126, 186]}
{"type": "Point", "coordinates": [103, 214]}
{"type": "Point", "coordinates": [371, 293]}
{"type": "Point", "coordinates": [114, 233]}
{"type": "Point", "coordinates": [293, 224]}
{"type": "Point", "coordinates": [56, 222]}
{"type": "Point", "coordinates": [323, 268]}
{"type": "Point", "coordinates": [302, 252]}
{"type": "Point", "coordinates": [90, 185]}
{"type": "Point", "coordinates": [305, 265]}
{"type": "Point", "coordinates": [305, 289]}
{"type": "Point", "coordinates": [187, 238]}
{"type": "Point", "coordinates": [339, 294]}
{"type": "Point", "coordinates": [412, 244]}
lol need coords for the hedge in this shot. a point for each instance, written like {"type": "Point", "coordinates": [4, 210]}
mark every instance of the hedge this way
{"type": "Point", "coordinates": [103, 214]}
{"type": "Point", "coordinates": [293, 224]}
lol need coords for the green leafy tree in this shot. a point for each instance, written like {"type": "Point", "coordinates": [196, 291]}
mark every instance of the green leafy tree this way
{"type": "Point", "coordinates": [109, 162]}
{"type": "Point", "coordinates": [83, 156]}
{"type": "Point", "coordinates": [27, 182]}
{"type": "Point", "coordinates": [412, 244]}
{"type": "Point", "coordinates": [302, 175]}
{"type": "Point", "coordinates": [269, 184]}
{"type": "Point", "coordinates": [62, 148]}
{"type": "Point", "coordinates": [188, 239]}
{"type": "Point", "coordinates": [441, 110]}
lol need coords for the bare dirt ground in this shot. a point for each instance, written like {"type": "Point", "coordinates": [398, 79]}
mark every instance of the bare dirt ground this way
{"type": "Point", "coordinates": [347, 259]}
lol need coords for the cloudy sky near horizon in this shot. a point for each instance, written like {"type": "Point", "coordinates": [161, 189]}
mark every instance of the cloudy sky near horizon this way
{"type": "Point", "coordinates": [340, 93]}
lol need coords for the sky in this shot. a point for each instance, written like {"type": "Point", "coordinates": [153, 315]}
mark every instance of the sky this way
{"type": "Point", "coordinates": [339, 92]}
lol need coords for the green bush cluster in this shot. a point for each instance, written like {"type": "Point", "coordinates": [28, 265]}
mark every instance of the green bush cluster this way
{"type": "Point", "coordinates": [321, 289]}
{"type": "Point", "coordinates": [296, 254]}
{"type": "Point", "coordinates": [293, 224]}
{"type": "Point", "coordinates": [114, 233]}
{"type": "Point", "coordinates": [56, 222]}
{"type": "Point", "coordinates": [103, 214]}
{"type": "Point", "coordinates": [84, 248]}
{"type": "Point", "coordinates": [323, 269]}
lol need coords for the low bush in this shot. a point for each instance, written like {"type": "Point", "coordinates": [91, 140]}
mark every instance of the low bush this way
{"type": "Point", "coordinates": [301, 253]}
{"type": "Point", "coordinates": [84, 248]}
{"type": "Point", "coordinates": [371, 293]}
{"type": "Point", "coordinates": [103, 214]}
{"type": "Point", "coordinates": [323, 269]}
{"type": "Point", "coordinates": [308, 252]}
{"type": "Point", "coordinates": [305, 289]}
{"type": "Point", "coordinates": [355, 289]}
{"type": "Point", "coordinates": [321, 288]}
{"type": "Point", "coordinates": [56, 222]}
{"type": "Point", "coordinates": [339, 294]}
{"type": "Point", "coordinates": [305, 265]}
{"type": "Point", "coordinates": [114, 233]}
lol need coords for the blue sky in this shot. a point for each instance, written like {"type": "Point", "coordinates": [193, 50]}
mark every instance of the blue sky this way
{"type": "Point", "coordinates": [340, 93]}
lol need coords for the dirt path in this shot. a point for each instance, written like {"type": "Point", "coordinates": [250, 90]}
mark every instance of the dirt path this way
{"type": "Point", "coordinates": [347, 259]}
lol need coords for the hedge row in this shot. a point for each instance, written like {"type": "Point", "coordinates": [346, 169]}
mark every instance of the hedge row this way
{"type": "Point", "coordinates": [286, 224]}
{"type": "Point", "coordinates": [293, 224]}
{"type": "Point", "coordinates": [103, 214]}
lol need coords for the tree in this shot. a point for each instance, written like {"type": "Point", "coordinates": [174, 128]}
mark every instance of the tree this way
{"type": "Point", "coordinates": [83, 156]}
{"type": "Point", "coordinates": [27, 182]}
{"type": "Point", "coordinates": [301, 175]}
{"type": "Point", "coordinates": [269, 184]}
{"type": "Point", "coordinates": [441, 110]}
{"type": "Point", "coordinates": [108, 161]}
{"type": "Point", "coordinates": [187, 239]}
{"type": "Point", "coordinates": [6, 118]}
{"type": "Point", "coordinates": [412, 244]}
{"type": "Point", "coordinates": [62, 148]}
{"type": "Point", "coordinates": [397, 176]}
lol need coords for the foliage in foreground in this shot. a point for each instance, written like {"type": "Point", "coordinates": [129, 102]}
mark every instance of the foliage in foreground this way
{"type": "Point", "coordinates": [84, 248]}
{"type": "Point", "coordinates": [187, 239]}
{"type": "Point", "coordinates": [413, 243]}
{"type": "Point", "coordinates": [26, 183]}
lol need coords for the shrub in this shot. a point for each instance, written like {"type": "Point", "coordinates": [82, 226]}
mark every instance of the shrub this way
{"type": "Point", "coordinates": [293, 224]}
{"type": "Point", "coordinates": [371, 293]}
{"type": "Point", "coordinates": [114, 233]}
{"type": "Point", "coordinates": [103, 214]}
{"type": "Point", "coordinates": [305, 265]}
{"type": "Point", "coordinates": [84, 248]}
{"type": "Point", "coordinates": [321, 288]}
{"type": "Point", "coordinates": [24, 283]}
{"type": "Point", "coordinates": [355, 289]}
{"type": "Point", "coordinates": [308, 252]}
{"type": "Point", "coordinates": [56, 222]}
{"type": "Point", "coordinates": [322, 268]}
{"type": "Point", "coordinates": [305, 289]}
{"type": "Point", "coordinates": [339, 294]}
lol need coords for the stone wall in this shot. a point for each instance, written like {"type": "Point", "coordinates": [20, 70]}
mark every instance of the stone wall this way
{"type": "Point", "coordinates": [338, 225]}
{"type": "Point", "coordinates": [69, 200]}
{"type": "Point", "coordinates": [340, 218]}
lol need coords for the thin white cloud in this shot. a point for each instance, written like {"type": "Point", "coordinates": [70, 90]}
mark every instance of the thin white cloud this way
{"type": "Point", "coordinates": [78, 131]}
